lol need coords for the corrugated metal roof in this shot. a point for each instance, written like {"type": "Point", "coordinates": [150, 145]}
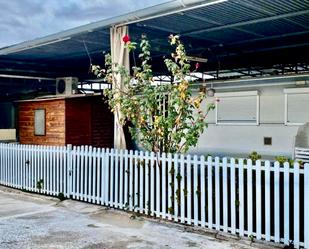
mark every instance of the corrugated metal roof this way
{"type": "Point", "coordinates": [277, 6]}
{"type": "Point", "coordinates": [228, 30]}
{"type": "Point", "coordinates": [226, 13]}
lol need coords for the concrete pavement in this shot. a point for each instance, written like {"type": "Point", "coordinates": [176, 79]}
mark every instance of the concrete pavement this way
{"type": "Point", "coordinates": [34, 221]}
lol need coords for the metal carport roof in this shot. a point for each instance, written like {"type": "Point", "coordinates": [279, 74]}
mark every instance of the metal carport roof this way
{"type": "Point", "coordinates": [232, 34]}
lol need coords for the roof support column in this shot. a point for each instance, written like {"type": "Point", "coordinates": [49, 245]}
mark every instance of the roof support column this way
{"type": "Point", "coordinates": [120, 56]}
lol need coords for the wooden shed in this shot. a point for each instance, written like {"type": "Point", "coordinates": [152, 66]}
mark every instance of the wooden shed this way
{"type": "Point", "coordinates": [59, 120]}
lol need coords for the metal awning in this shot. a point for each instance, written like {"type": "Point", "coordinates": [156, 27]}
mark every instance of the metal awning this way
{"type": "Point", "coordinates": [232, 34]}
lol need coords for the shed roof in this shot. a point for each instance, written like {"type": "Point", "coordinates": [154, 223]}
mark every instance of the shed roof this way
{"type": "Point", "coordinates": [61, 97]}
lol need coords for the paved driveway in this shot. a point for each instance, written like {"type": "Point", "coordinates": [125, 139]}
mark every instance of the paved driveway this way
{"type": "Point", "coordinates": [33, 221]}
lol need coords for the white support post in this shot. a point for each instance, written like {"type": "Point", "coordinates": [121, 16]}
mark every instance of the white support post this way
{"type": "Point", "coordinates": [120, 56]}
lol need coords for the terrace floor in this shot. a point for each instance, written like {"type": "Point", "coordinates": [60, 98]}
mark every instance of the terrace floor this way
{"type": "Point", "coordinates": [34, 221]}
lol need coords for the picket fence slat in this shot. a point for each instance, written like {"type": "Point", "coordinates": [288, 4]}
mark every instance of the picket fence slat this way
{"type": "Point", "coordinates": [94, 176]}
{"type": "Point", "coordinates": [126, 176]}
{"type": "Point", "coordinates": [170, 187]}
{"type": "Point", "coordinates": [130, 179]}
{"type": "Point", "coordinates": [187, 190]}
{"type": "Point", "coordinates": [306, 208]}
{"type": "Point", "coordinates": [141, 183]}
{"type": "Point", "coordinates": [263, 199]}
{"type": "Point", "coordinates": [296, 205]}
{"type": "Point", "coordinates": [136, 190]}
{"type": "Point", "coordinates": [163, 183]}
{"type": "Point", "coordinates": [196, 191]}
{"type": "Point", "coordinates": [54, 168]}
{"type": "Point", "coordinates": [121, 179]}
{"type": "Point", "coordinates": [147, 175]}
{"type": "Point", "coordinates": [111, 178]}
{"type": "Point", "coordinates": [267, 201]}
{"type": "Point", "coordinates": [233, 197]}
{"type": "Point", "coordinates": [106, 182]}
{"type": "Point", "coordinates": [116, 177]}
{"type": "Point", "coordinates": [258, 201]}
{"type": "Point", "coordinates": [277, 201]}
{"type": "Point", "coordinates": [209, 192]}
{"type": "Point", "coordinates": [86, 168]}
{"type": "Point", "coordinates": [98, 175]}
{"type": "Point", "coordinates": [217, 191]}
{"type": "Point", "coordinates": [90, 167]}
{"type": "Point", "coordinates": [176, 188]}
{"type": "Point", "coordinates": [225, 197]}
{"type": "Point", "coordinates": [203, 192]}
{"type": "Point", "coordinates": [101, 186]}
{"type": "Point", "coordinates": [286, 203]}
{"type": "Point", "coordinates": [152, 184]}
{"type": "Point", "coordinates": [241, 201]}
{"type": "Point", "coordinates": [182, 188]}
{"type": "Point", "coordinates": [249, 197]}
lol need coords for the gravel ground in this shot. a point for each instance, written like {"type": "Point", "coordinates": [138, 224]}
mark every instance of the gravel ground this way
{"type": "Point", "coordinates": [33, 221]}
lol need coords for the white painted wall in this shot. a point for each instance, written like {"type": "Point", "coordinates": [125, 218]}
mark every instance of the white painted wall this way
{"type": "Point", "coordinates": [228, 140]}
{"type": "Point", "coordinates": [7, 135]}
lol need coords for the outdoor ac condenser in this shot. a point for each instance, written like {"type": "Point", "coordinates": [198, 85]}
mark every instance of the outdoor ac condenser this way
{"type": "Point", "coordinates": [66, 85]}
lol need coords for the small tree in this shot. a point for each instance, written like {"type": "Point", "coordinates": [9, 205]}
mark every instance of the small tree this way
{"type": "Point", "coordinates": [165, 117]}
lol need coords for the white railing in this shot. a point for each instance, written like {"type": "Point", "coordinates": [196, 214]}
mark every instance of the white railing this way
{"type": "Point", "coordinates": [302, 154]}
{"type": "Point", "coordinates": [264, 200]}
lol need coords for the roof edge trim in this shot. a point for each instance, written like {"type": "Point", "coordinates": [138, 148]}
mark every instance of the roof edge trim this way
{"type": "Point", "coordinates": [167, 8]}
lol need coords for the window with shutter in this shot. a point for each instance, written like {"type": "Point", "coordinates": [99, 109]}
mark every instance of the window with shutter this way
{"type": "Point", "coordinates": [238, 108]}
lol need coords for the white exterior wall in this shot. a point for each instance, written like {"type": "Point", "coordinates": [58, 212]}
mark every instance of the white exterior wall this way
{"type": "Point", "coordinates": [7, 135]}
{"type": "Point", "coordinates": [227, 140]}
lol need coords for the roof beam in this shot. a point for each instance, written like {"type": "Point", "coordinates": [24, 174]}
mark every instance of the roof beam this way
{"type": "Point", "coordinates": [24, 77]}
{"type": "Point", "coordinates": [267, 49]}
{"type": "Point", "coordinates": [87, 41]}
{"type": "Point", "coordinates": [279, 47]}
{"type": "Point", "coordinates": [268, 38]}
{"type": "Point", "coordinates": [19, 62]}
{"type": "Point", "coordinates": [14, 71]}
{"type": "Point", "coordinates": [240, 24]}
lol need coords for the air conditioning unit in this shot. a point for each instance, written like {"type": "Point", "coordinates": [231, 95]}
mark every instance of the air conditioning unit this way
{"type": "Point", "coordinates": [66, 85]}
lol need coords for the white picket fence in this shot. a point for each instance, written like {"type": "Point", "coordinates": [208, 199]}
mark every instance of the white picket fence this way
{"type": "Point", "coordinates": [263, 200]}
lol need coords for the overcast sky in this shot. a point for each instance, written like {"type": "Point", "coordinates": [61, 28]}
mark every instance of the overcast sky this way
{"type": "Point", "coordinates": [22, 20]}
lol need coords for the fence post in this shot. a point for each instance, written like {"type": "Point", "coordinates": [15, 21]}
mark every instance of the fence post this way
{"type": "Point", "coordinates": [69, 170]}
{"type": "Point", "coordinates": [306, 214]}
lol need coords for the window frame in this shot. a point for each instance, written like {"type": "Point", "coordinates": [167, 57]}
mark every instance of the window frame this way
{"type": "Point", "coordinates": [240, 94]}
{"type": "Point", "coordinates": [34, 128]}
{"type": "Point", "coordinates": [287, 91]}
